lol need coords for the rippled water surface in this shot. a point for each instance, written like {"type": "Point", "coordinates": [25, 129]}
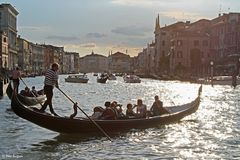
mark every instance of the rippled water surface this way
{"type": "Point", "coordinates": [213, 132]}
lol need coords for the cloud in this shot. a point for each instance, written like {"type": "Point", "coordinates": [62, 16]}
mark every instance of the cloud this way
{"type": "Point", "coordinates": [182, 15]}
{"type": "Point", "coordinates": [82, 49]}
{"type": "Point", "coordinates": [96, 35]}
{"type": "Point", "coordinates": [132, 51]}
{"type": "Point", "coordinates": [80, 46]}
{"type": "Point", "coordinates": [63, 38]}
{"type": "Point", "coordinates": [139, 42]}
{"type": "Point", "coordinates": [32, 28]}
{"type": "Point", "coordinates": [88, 45]}
{"type": "Point", "coordinates": [87, 48]}
{"type": "Point", "coordinates": [131, 30]}
{"type": "Point", "coordinates": [135, 2]}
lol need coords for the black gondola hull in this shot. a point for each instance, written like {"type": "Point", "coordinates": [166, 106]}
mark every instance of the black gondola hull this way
{"type": "Point", "coordinates": [85, 126]}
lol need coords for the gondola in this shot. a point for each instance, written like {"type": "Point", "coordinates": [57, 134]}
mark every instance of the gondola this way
{"type": "Point", "coordinates": [77, 78]}
{"type": "Point", "coordinates": [84, 126]}
{"type": "Point", "coordinates": [28, 101]}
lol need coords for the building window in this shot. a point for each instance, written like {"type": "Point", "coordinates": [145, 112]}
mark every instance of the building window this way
{"type": "Point", "coordinates": [163, 53]}
{"type": "Point", "coordinates": [163, 43]}
{"type": "Point", "coordinates": [179, 54]}
{"type": "Point", "coordinates": [179, 42]}
{"type": "Point", "coordinates": [163, 33]}
{"type": "Point", "coordinates": [5, 39]}
{"type": "Point", "coordinates": [205, 43]}
{"type": "Point", "coordinates": [196, 43]}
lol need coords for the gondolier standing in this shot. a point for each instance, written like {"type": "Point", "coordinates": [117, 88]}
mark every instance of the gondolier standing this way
{"type": "Point", "coordinates": [51, 80]}
{"type": "Point", "coordinates": [16, 75]}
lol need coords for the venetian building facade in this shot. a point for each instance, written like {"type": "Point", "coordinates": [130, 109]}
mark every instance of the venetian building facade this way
{"type": "Point", "coordinates": [37, 52]}
{"type": "Point", "coordinates": [3, 50]}
{"type": "Point", "coordinates": [140, 67]}
{"type": "Point", "coordinates": [163, 37]}
{"type": "Point", "coordinates": [71, 62]}
{"type": "Point", "coordinates": [53, 54]}
{"type": "Point", "coordinates": [189, 47]}
{"type": "Point", "coordinates": [134, 63]}
{"type": "Point", "coordinates": [151, 59]}
{"type": "Point", "coordinates": [183, 48]}
{"type": "Point", "coordinates": [191, 50]}
{"type": "Point", "coordinates": [119, 63]}
{"type": "Point", "coordinates": [163, 40]}
{"type": "Point", "coordinates": [93, 63]}
{"type": "Point", "coordinates": [225, 42]}
{"type": "Point", "coordinates": [8, 24]}
{"type": "Point", "coordinates": [24, 55]}
{"type": "Point", "coordinates": [146, 61]}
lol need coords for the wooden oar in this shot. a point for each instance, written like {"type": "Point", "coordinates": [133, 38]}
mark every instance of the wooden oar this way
{"type": "Point", "coordinates": [31, 92]}
{"type": "Point", "coordinates": [86, 115]}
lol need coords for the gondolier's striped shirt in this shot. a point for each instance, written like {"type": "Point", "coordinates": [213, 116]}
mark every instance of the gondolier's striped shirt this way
{"type": "Point", "coordinates": [51, 77]}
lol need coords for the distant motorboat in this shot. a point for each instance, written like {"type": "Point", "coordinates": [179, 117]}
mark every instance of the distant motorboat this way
{"type": "Point", "coordinates": [77, 78]}
{"type": "Point", "coordinates": [219, 80]}
{"type": "Point", "coordinates": [112, 77]}
{"type": "Point", "coordinates": [131, 79]}
{"type": "Point", "coordinates": [119, 74]}
{"type": "Point", "coordinates": [102, 78]}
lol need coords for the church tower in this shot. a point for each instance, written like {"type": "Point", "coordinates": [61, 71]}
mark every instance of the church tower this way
{"type": "Point", "coordinates": [157, 44]}
{"type": "Point", "coordinates": [157, 26]}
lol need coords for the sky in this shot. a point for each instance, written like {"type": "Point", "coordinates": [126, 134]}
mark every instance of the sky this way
{"type": "Point", "coordinates": [105, 26]}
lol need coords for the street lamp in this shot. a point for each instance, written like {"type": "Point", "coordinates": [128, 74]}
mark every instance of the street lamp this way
{"type": "Point", "coordinates": [211, 63]}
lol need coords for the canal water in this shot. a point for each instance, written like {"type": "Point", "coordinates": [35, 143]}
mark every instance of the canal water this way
{"type": "Point", "coordinates": [213, 132]}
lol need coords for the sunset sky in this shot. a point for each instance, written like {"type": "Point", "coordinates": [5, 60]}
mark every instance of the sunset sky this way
{"type": "Point", "coordinates": [105, 25]}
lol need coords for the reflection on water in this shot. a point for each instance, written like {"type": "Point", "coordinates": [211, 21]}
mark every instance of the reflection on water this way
{"type": "Point", "coordinates": [213, 132]}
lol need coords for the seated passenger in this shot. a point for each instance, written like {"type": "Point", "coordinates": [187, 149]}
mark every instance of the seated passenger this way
{"type": "Point", "coordinates": [141, 109]}
{"type": "Point", "coordinates": [25, 92]}
{"type": "Point", "coordinates": [109, 114]}
{"type": "Point", "coordinates": [40, 92]}
{"type": "Point", "coordinates": [107, 104]}
{"type": "Point", "coordinates": [34, 92]}
{"type": "Point", "coordinates": [120, 114]}
{"type": "Point", "coordinates": [129, 112]}
{"type": "Point", "coordinates": [97, 112]}
{"type": "Point", "coordinates": [118, 110]}
{"type": "Point", "coordinates": [157, 107]}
